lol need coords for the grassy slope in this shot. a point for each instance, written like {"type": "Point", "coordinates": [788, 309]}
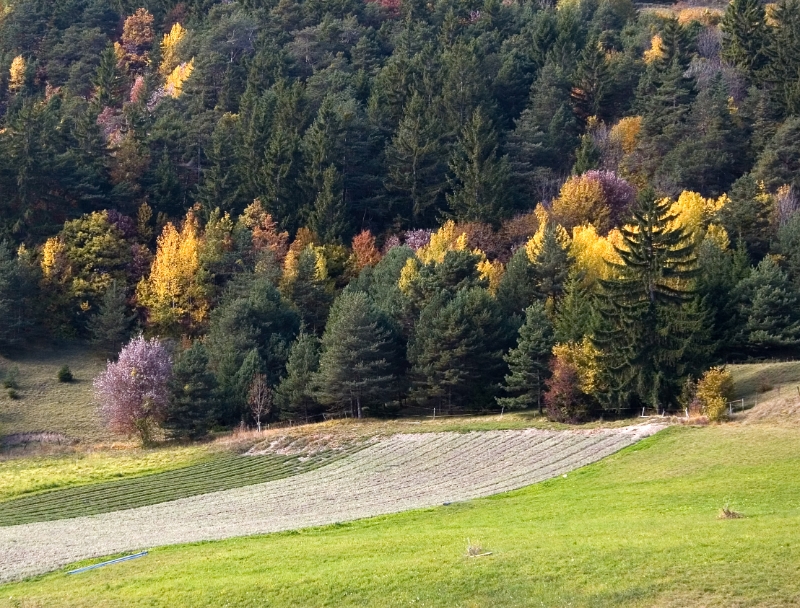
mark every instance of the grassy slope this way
{"type": "Point", "coordinates": [25, 476]}
{"type": "Point", "coordinates": [45, 404]}
{"type": "Point", "coordinates": [751, 378]}
{"type": "Point", "coordinates": [637, 529]}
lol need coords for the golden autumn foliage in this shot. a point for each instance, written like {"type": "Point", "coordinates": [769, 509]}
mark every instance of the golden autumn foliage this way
{"type": "Point", "coordinates": [16, 74]}
{"type": "Point", "coordinates": [582, 200]}
{"type": "Point", "coordinates": [714, 390]}
{"type": "Point", "coordinates": [174, 293]}
{"type": "Point", "coordinates": [169, 49]}
{"type": "Point", "coordinates": [174, 83]}
{"type": "Point", "coordinates": [626, 133]}
{"type": "Point", "coordinates": [656, 50]}
{"type": "Point", "coordinates": [365, 253]}
{"type": "Point", "coordinates": [585, 358]}
{"type": "Point", "coordinates": [534, 244]}
{"type": "Point", "coordinates": [137, 32]}
{"type": "Point", "coordinates": [492, 272]}
{"type": "Point", "coordinates": [447, 238]}
{"type": "Point", "coordinates": [590, 251]}
{"type": "Point", "coordinates": [53, 260]}
{"type": "Point", "coordinates": [694, 214]}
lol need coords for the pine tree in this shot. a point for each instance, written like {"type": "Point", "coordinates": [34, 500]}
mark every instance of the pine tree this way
{"type": "Point", "coordinates": [457, 348]}
{"type": "Point", "coordinates": [528, 362]}
{"type": "Point", "coordinates": [110, 327]}
{"type": "Point", "coordinates": [588, 156]}
{"type": "Point", "coordinates": [744, 35]}
{"type": "Point", "coordinates": [295, 393]}
{"type": "Point", "coordinates": [192, 405]}
{"type": "Point", "coordinates": [648, 325]}
{"type": "Point", "coordinates": [16, 298]}
{"type": "Point", "coordinates": [770, 305]}
{"type": "Point", "coordinates": [779, 163]}
{"type": "Point", "coordinates": [480, 178]}
{"type": "Point", "coordinates": [356, 360]}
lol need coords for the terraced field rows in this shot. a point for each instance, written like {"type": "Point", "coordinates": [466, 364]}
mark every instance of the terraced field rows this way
{"type": "Point", "coordinates": [221, 473]}
{"type": "Point", "coordinates": [399, 473]}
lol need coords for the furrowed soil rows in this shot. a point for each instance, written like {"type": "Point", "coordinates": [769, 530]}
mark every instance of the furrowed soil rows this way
{"type": "Point", "coordinates": [222, 473]}
{"type": "Point", "coordinates": [401, 472]}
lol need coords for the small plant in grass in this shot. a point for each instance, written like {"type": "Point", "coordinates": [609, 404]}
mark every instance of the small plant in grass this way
{"type": "Point", "coordinates": [65, 374]}
{"type": "Point", "coordinates": [764, 385]}
{"type": "Point", "coordinates": [13, 394]}
{"type": "Point", "coordinates": [475, 549]}
{"type": "Point", "coordinates": [10, 380]}
{"type": "Point", "coordinates": [726, 512]}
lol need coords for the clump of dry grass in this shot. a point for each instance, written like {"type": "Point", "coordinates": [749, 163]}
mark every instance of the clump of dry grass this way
{"type": "Point", "coordinates": [475, 549]}
{"type": "Point", "coordinates": [726, 512]}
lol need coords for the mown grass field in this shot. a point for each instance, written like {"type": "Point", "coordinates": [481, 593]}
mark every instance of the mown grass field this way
{"type": "Point", "coordinates": [639, 528]}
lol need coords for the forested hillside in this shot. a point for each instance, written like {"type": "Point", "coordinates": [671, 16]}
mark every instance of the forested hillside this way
{"type": "Point", "coordinates": [353, 206]}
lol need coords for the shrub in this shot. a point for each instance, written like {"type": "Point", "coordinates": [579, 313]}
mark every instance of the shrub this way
{"type": "Point", "coordinates": [133, 392]}
{"type": "Point", "coordinates": [65, 374]}
{"type": "Point", "coordinates": [714, 390]}
{"type": "Point", "coordinates": [564, 400]}
{"type": "Point", "coordinates": [13, 394]}
{"type": "Point", "coordinates": [10, 381]}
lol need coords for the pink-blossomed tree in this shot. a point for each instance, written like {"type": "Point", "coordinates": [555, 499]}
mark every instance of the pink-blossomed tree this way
{"type": "Point", "coordinates": [133, 391]}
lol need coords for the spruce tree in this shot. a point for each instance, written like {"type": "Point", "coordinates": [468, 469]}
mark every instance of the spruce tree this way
{"type": "Point", "coordinates": [744, 35]}
{"type": "Point", "coordinates": [415, 171]}
{"type": "Point", "coordinates": [192, 406]}
{"type": "Point", "coordinates": [528, 362]}
{"type": "Point", "coordinates": [110, 326]}
{"type": "Point", "coordinates": [328, 215]}
{"type": "Point", "coordinates": [648, 324]}
{"type": "Point", "coordinates": [309, 291]}
{"type": "Point", "coordinates": [770, 305]}
{"type": "Point", "coordinates": [108, 82]}
{"type": "Point", "coordinates": [577, 315]}
{"type": "Point", "coordinates": [518, 286]}
{"type": "Point", "coordinates": [551, 266]}
{"type": "Point", "coordinates": [480, 177]}
{"type": "Point", "coordinates": [295, 393]}
{"type": "Point", "coordinates": [779, 163]}
{"type": "Point", "coordinates": [782, 71]}
{"type": "Point", "coordinates": [457, 348]}
{"type": "Point", "coordinates": [747, 215]}
{"type": "Point", "coordinates": [358, 357]}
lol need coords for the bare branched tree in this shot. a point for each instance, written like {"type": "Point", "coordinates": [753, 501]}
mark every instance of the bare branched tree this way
{"type": "Point", "coordinates": [259, 399]}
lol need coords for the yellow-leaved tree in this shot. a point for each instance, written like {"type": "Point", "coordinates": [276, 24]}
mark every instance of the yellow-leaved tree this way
{"type": "Point", "coordinates": [16, 74]}
{"type": "Point", "coordinates": [174, 84]}
{"type": "Point", "coordinates": [590, 252]}
{"type": "Point", "coordinates": [169, 49]}
{"type": "Point", "coordinates": [175, 291]}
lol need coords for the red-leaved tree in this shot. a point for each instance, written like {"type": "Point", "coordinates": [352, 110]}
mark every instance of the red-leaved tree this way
{"type": "Point", "coordinates": [133, 391]}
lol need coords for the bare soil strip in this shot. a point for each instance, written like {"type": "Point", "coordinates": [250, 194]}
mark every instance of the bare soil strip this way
{"type": "Point", "coordinates": [396, 474]}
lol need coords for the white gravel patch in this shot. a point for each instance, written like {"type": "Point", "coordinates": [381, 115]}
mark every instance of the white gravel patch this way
{"type": "Point", "coordinates": [399, 473]}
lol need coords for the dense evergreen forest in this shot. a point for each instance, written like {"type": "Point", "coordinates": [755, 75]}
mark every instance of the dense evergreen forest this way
{"type": "Point", "coordinates": [372, 207]}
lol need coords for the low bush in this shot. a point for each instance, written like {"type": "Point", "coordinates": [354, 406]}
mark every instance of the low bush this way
{"type": "Point", "coordinates": [13, 394]}
{"type": "Point", "coordinates": [65, 374]}
{"type": "Point", "coordinates": [714, 390]}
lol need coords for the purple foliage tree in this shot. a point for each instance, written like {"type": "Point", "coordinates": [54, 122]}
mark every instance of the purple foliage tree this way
{"type": "Point", "coordinates": [416, 239]}
{"type": "Point", "coordinates": [619, 195]}
{"type": "Point", "coordinates": [133, 391]}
